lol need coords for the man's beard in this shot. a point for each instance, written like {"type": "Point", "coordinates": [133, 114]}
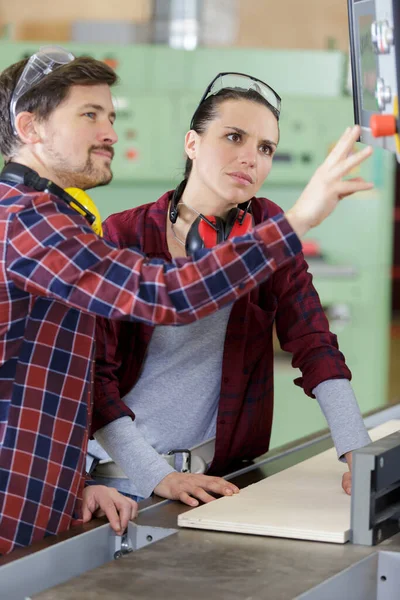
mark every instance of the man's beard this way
{"type": "Point", "coordinates": [84, 177]}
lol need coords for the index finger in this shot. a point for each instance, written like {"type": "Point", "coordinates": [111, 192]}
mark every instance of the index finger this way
{"type": "Point", "coordinates": [352, 161]}
{"type": "Point", "coordinates": [344, 145]}
{"type": "Point", "coordinates": [127, 509]}
{"type": "Point", "coordinates": [110, 511]}
{"type": "Point", "coordinates": [220, 486]}
{"type": "Point", "coordinates": [346, 483]}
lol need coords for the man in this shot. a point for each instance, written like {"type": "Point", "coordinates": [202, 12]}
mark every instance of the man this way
{"type": "Point", "coordinates": [56, 123]}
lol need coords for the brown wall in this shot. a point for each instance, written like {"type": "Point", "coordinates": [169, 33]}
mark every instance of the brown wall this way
{"type": "Point", "coordinates": [44, 20]}
{"type": "Point", "coordinates": [293, 23]}
{"type": "Point", "coordinates": [59, 10]}
{"type": "Point", "coordinates": [268, 23]}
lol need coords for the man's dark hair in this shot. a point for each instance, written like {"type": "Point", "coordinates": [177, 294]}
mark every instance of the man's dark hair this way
{"type": "Point", "coordinates": [47, 95]}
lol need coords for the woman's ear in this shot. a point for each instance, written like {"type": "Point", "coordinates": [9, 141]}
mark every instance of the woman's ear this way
{"type": "Point", "coordinates": [26, 126]}
{"type": "Point", "coordinates": [191, 143]}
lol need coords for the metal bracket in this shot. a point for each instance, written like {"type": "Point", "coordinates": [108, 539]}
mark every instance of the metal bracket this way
{"type": "Point", "coordinates": [375, 497]}
{"type": "Point", "coordinates": [186, 459]}
{"type": "Point", "coordinates": [125, 546]}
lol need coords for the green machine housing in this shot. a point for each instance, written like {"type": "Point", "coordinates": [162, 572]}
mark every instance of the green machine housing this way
{"type": "Point", "coordinates": [159, 90]}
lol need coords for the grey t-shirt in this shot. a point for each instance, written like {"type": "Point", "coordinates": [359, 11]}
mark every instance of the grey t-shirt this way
{"type": "Point", "coordinates": [175, 401]}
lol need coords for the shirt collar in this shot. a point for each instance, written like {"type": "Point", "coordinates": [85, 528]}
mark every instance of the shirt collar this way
{"type": "Point", "coordinates": [154, 233]}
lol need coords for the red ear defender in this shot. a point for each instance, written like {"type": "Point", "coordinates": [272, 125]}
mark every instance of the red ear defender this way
{"type": "Point", "coordinates": [207, 232]}
{"type": "Point", "coordinates": [239, 222]}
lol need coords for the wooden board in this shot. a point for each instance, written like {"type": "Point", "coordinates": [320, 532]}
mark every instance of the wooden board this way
{"type": "Point", "coordinates": [304, 502]}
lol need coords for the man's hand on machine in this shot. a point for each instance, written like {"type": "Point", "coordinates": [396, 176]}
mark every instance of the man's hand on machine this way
{"type": "Point", "coordinates": [189, 488]}
{"type": "Point", "coordinates": [100, 501]}
{"type": "Point", "coordinates": [346, 479]}
{"type": "Point", "coordinates": [327, 186]}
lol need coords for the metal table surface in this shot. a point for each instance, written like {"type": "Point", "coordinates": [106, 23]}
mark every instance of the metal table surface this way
{"type": "Point", "coordinates": [204, 565]}
{"type": "Point", "coordinates": [212, 565]}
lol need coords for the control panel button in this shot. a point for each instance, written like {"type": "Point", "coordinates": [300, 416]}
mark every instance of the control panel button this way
{"type": "Point", "coordinates": [383, 125]}
{"type": "Point", "coordinates": [383, 93]}
{"type": "Point", "coordinates": [381, 37]}
{"type": "Point", "coordinates": [131, 154]}
{"type": "Point", "coordinates": [111, 62]}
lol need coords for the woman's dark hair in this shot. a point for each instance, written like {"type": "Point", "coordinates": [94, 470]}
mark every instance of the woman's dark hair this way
{"type": "Point", "coordinates": [207, 111]}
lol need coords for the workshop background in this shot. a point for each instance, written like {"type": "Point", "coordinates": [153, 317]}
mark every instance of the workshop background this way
{"type": "Point", "coordinates": [166, 52]}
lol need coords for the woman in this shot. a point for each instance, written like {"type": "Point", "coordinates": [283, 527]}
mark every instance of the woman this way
{"type": "Point", "coordinates": [213, 380]}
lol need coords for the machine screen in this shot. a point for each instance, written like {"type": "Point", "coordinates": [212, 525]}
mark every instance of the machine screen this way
{"type": "Point", "coordinates": [368, 63]}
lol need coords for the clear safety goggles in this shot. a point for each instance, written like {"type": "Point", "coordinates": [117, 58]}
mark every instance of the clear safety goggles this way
{"type": "Point", "coordinates": [40, 64]}
{"type": "Point", "coordinates": [243, 82]}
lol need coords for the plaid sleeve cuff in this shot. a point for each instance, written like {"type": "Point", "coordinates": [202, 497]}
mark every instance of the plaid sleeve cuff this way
{"type": "Point", "coordinates": [106, 411]}
{"type": "Point", "coordinates": [279, 238]}
{"type": "Point", "coordinates": [291, 238]}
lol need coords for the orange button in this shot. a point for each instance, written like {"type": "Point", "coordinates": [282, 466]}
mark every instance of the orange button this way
{"type": "Point", "coordinates": [131, 154]}
{"type": "Point", "coordinates": [311, 248]}
{"type": "Point", "coordinates": [111, 62]}
{"type": "Point", "coordinates": [383, 125]}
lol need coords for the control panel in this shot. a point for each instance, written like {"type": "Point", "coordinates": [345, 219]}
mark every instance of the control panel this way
{"type": "Point", "coordinates": [375, 62]}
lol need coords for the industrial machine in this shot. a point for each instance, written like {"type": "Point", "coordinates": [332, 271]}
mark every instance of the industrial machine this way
{"type": "Point", "coordinates": [155, 559]}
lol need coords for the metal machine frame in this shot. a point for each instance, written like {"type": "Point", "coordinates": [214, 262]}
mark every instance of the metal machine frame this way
{"type": "Point", "coordinates": [209, 554]}
{"type": "Point", "coordinates": [375, 500]}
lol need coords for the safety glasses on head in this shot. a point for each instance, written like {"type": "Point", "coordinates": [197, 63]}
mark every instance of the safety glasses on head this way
{"type": "Point", "coordinates": [240, 82]}
{"type": "Point", "coordinates": [40, 64]}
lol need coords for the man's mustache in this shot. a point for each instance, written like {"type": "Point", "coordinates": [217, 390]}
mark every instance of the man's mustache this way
{"type": "Point", "coordinates": [109, 149]}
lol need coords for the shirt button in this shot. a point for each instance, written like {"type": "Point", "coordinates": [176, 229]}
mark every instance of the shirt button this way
{"type": "Point", "coordinates": [222, 422]}
{"type": "Point", "coordinates": [226, 379]}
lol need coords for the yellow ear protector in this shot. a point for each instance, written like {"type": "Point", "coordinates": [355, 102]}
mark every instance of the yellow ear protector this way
{"type": "Point", "coordinates": [85, 201]}
{"type": "Point", "coordinates": [74, 197]}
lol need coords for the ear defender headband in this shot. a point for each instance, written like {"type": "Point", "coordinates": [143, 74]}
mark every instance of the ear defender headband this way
{"type": "Point", "coordinates": [84, 205]}
{"type": "Point", "coordinates": [74, 197]}
{"type": "Point", "coordinates": [176, 196]}
{"type": "Point", "coordinates": [208, 231]}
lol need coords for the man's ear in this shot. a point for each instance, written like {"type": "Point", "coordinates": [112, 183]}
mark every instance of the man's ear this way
{"type": "Point", "coordinates": [191, 143]}
{"type": "Point", "coordinates": [26, 126]}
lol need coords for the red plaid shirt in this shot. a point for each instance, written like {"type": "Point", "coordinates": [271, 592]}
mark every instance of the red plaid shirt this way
{"type": "Point", "coordinates": [287, 298]}
{"type": "Point", "coordinates": [55, 275]}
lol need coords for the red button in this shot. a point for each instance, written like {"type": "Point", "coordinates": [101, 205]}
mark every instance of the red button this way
{"type": "Point", "coordinates": [111, 62]}
{"type": "Point", "coordinates": [383, 125]}
{"type": "Point", "coordinates": [311, 248]}
{"type": "Point", "coordinates": [131, 154]}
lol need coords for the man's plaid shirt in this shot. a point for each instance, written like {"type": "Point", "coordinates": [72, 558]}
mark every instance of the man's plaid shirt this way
{"type": "Point", "coordinates": [55, 276]}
